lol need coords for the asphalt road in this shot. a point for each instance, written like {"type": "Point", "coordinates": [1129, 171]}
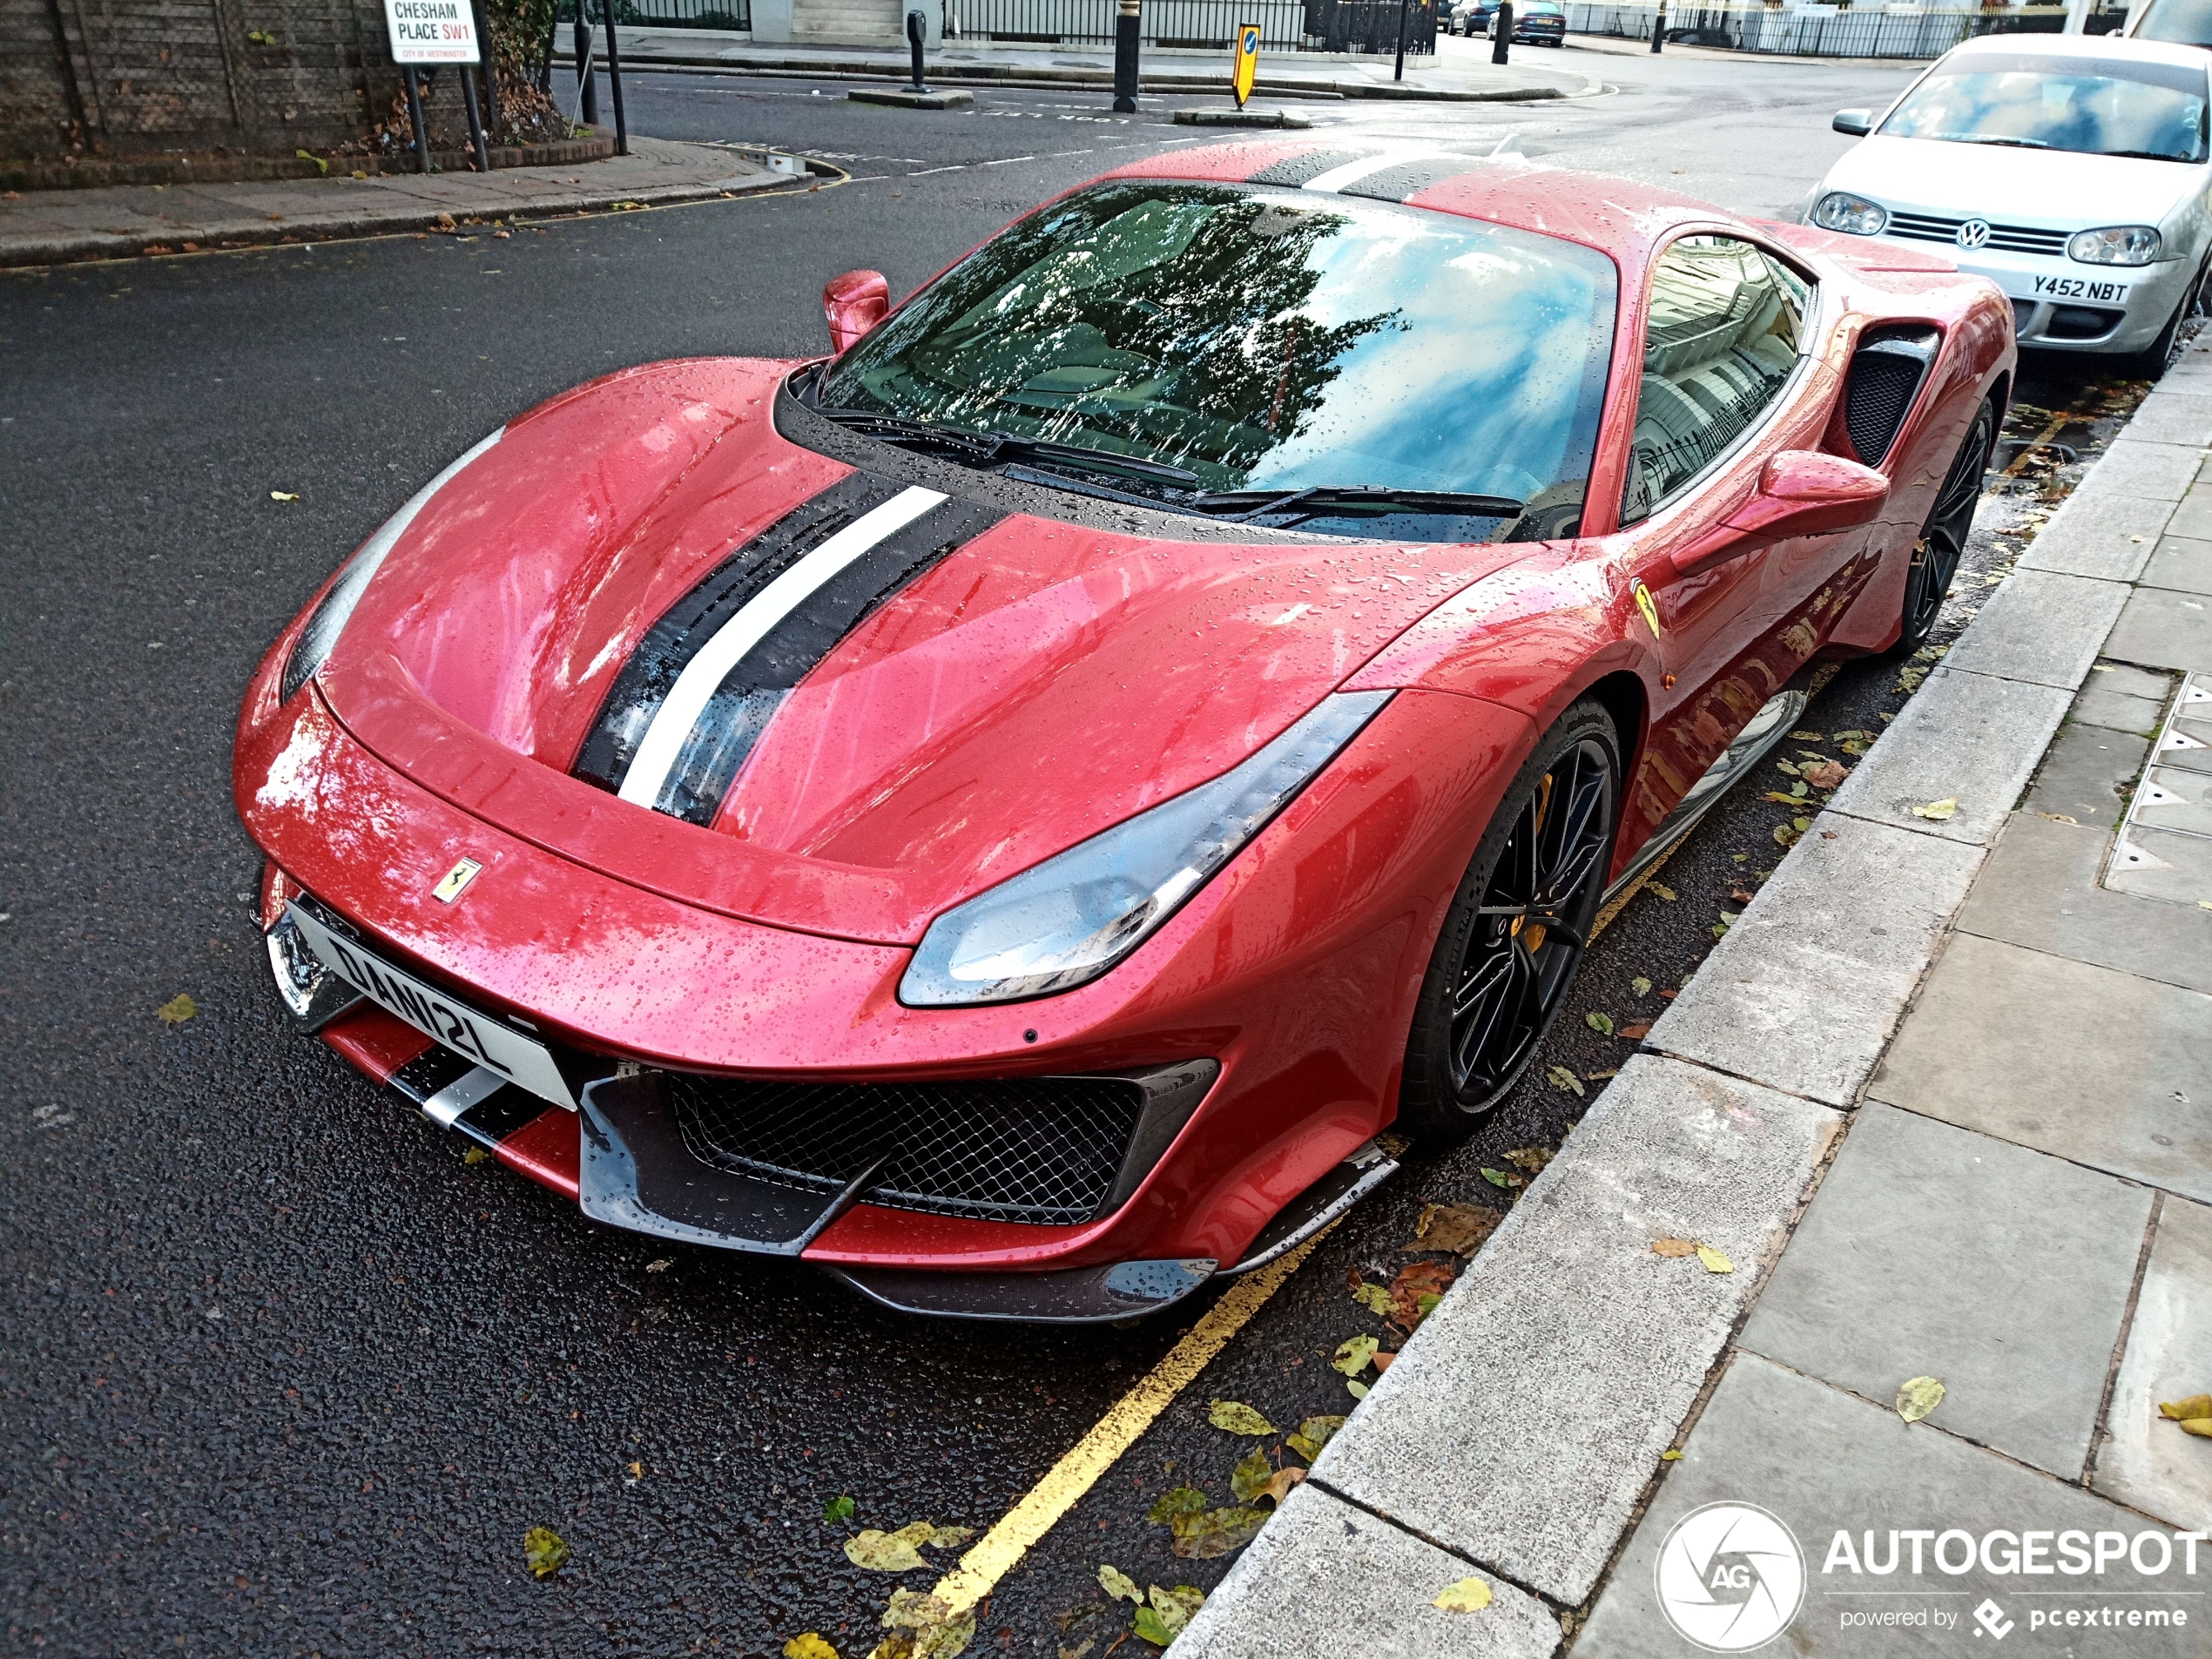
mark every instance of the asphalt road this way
{"type": "Point", "coordinates": [279, 1372]}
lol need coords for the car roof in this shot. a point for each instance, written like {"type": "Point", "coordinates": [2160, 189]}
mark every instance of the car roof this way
{"type": "Point", "coordinates": [2087, 46]}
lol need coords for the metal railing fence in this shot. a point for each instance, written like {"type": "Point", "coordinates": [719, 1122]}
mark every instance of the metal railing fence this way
{"type": "Point", "coordinates": [663, 14]}
{"type": "Point", "coordinates": [1285, 26]}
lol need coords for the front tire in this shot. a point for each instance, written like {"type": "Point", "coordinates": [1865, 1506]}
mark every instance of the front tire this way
{"type": "Point", "coordinates": [2152, 362]}
{"type": "Point", "coordinates": [1943, 539]}
{"type": "Point", "coordinates": [1517, 929]}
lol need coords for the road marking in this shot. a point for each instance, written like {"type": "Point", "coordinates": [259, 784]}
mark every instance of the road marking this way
{"type": "Point", "coordinates": [957, 167]}
{"type": "Point", "coordinates": [996, 1552]}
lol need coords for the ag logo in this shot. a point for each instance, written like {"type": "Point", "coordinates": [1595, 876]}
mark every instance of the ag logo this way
{"type": "Point", "coordinates": [1729, 1577]}
{"type": "Point", "coordinates": [1973, 233]}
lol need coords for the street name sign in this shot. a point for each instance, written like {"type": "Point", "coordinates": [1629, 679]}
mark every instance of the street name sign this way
{"type": "Point", "coordinates": [431, 31]}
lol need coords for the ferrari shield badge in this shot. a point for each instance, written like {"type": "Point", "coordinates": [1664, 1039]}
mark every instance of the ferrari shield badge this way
{"type": "Point", "coordinates": [455, 880]}
{"type": "Point", "coordinates": [1646, 604]}
{"type": "Point", "coordinates": [1247, 60]}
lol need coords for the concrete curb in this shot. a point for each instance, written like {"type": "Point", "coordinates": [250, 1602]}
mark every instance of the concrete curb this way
{"type": "Point", "coordinates": [1520, 1430]}
{"type": "Point", "coordinates": [367, 209]}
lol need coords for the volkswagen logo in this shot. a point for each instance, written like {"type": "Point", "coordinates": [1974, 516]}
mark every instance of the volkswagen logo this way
{"type": "Point", "coordinates": [1973, 233]}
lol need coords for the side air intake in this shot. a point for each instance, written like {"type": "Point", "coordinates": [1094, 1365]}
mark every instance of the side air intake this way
{"type": "Point", "coordinates": [1885, 375]}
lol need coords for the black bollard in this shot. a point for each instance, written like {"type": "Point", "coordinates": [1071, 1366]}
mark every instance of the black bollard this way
{"type": "Point", "coordinates": [917, 33]}
{"type": "Point", "coordinates": [1659, 28]}
{"type": "Point", "coordinates": [414, 119]}
{"type": "Point", "coordinates": [587, 81]}
{"type": "Point", "coordinates": [614, 77]}
{"type": "Point", "coordinates": [1500, 31]}
{"type": "Point", "coordinates": [1126, 40]}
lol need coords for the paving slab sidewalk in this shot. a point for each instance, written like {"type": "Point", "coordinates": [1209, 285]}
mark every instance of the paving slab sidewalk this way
{"type": "Point", "coordinates": [1973, 1056]}
{"type": "Point", "coordinates": [116, 221]}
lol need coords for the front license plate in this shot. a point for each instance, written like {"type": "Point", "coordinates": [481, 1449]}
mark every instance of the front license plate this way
{"type": "Point", "coordinates": [469, 1033]}
{"type": "Point", "coordinates": [2079, 288]}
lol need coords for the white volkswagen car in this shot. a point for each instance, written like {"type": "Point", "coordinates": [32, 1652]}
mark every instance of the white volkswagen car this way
{"type": "Point", "coordinates": [2071, 171]}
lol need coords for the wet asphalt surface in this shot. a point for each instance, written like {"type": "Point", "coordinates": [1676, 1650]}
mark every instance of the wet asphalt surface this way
{"type": "Point", "coordinates": [279, 1372]}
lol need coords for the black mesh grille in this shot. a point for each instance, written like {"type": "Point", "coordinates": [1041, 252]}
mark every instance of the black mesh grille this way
{"type": "Point", "coordinates": [1886, 374]}
{"type": "Point", "coordinates": [1041, 1149]}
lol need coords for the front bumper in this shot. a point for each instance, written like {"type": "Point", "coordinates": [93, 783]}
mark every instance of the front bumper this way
{"type": "Point", "coordinates": [2061, 304]}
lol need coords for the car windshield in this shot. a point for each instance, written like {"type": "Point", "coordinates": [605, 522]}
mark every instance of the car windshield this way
{"type": "Point", "coordinates": [2186, 22]}
{"type": "Point", "coordinates": [1271, 341]}
{"type": "Point", "coordinates": [2099, 106]}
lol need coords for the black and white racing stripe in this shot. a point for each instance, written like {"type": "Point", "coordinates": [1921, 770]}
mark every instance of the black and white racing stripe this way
{"type": "Point", "coordinates": [693, 699]}
{"type": "Point", "coordinates": [1390, 174]}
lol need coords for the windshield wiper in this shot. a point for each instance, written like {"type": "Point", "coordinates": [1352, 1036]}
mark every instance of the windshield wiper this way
{"type": "Point", "coordinates": [1983, 137]}
{"type": "Point", "coordinates": [1351, 501]}
{"type": "Point", "coordinates": [2143, 155]}
{"type": "Point", "coordinates": [984, 447]}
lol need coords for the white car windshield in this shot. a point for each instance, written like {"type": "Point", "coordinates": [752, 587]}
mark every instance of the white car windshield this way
{"type": "Point", "coordinates": [2093, 106]}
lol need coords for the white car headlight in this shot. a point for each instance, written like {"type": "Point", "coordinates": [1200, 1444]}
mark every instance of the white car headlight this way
{"type": "Point", "coordinates": [317, 640]}
{"type": "Point", "coordinates": [1853, 215]}
{"type": "Point", "coordinates": [1065, 922]}
{"type": "Point", "coordinates": [2115, 244]}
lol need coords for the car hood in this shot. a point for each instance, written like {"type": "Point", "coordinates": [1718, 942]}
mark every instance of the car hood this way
{"type": "Point", "coordinates": [2048, 189]}
{"type": "Point", "coordinates": [1038, 682]}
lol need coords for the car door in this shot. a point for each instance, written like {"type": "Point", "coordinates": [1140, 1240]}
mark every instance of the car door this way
{"type": "Point", "coordinates": [1726, 383]}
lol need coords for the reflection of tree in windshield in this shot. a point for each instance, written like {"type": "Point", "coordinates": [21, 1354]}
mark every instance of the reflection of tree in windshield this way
{"type": "Point", "coordinates": [1174, 329]}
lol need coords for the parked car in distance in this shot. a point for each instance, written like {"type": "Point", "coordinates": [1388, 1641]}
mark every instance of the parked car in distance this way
{"type": "Point", "coordinates": [1471, 17]}
{"type": "Point", "coordinates": [2071, 171]}
{"type": "Point", "coordinates": [1540, 22]}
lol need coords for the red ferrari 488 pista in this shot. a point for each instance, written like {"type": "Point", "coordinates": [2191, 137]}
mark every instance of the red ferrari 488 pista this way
{"type": "Point", "coordinates": [1011, 812]}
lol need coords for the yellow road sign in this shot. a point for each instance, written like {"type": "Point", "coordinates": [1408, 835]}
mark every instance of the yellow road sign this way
{"type": "Point", "coordinates": [1247, 60]}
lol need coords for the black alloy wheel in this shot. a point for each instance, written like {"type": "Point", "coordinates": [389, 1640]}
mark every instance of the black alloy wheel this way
{"type": "Point", "coordinates": [1517, 929]}
{"type": "Point", "coordinates": [1943, 539]}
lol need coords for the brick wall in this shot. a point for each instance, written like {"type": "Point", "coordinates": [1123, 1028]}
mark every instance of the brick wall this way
{"type": "Point", "coordinates": [146, 77]}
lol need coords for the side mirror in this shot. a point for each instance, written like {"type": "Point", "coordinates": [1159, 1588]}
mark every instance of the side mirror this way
{"type": "Point", "coordinates": [1857, 123]}
{"type": "Point", "coordinates": [853, 305]}
{"type": "Point", "coordinates": [1802, 492]}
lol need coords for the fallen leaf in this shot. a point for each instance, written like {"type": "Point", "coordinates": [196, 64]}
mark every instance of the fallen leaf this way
{"type": "Point", "coordinates": [1670, 1455]}
{"type": "Point", "coordinates": [1674, 1247]}
{"type": "Point", "coordinates": [1374, 1298]}
{"type": "Point", "coordinates": [1468, 1596]}
{"type": "Point", "coordinates": [924, 1626]}
{"type": "Point", "coordinates": [1457, 1229]}
{"type": "Point", "coordinates": [951, 1537]}
{"type": "Point", "coordinates": [475, 1155]}
{"type": "Point", "coordinates": [1856, 745]}
{"type": "Point", "coordinates": [278, 494]}
{"type": "Point", "coordinates": [1278, 1486]}
{"type": "Point", "coordinates": [1248, 1479]}
{"type": "Point", "coordinates": [1779, 799]}
{"type": "Point", "coordinates": [1559, 1077]}
{"type": "Point", "coordinates": [1797, 791]}
{"type": "Point", "coordinates": [1214, 1533]}
{"type": "Point", "coordinates": [2182, 1410]}
{"type": "Point", "coordinates": [1237, 1417]}
{"type": "Point", "coordinates": [633, 1472]}
{"type": "Point", "coordinates": [1118, 1584]}
{"type": "Point", "coordinates": [2201, 1427]}
{"type": "Point", "coordinates": [1640, 986]}
{"type": "Point", "coordinates": [661, 1265]}
{"type": "Point", "coordinates": [177, 1009]}
{"type": "Point", "coordinates": [1177, 1501]}
{"type": "Point", "coordinates": [1807, 736]}
{"type": "Point", "coordinates": [1357, 1389]}
{"type": "Point", "coordinates": [810, 1646]}
{"type": "Point", "coordinates": [1313, 1435]}
{"type": "Point", "coordinates": [1785, 836]}
{"type": "Point", "coordinates": [836, 1510]}
{"type": "Point", "coordinates": [1149, 1629]}
{"type": "Point", "coordinates": [1531, 1158]}
{"type": "Point", "coordinates": [890, 1552]}
{"type": "Point", "coordinates": [1497, 1177]}
{"type": "Point", "coordinates": [1801, 825]}
{"type": "Point", "coordinates": [1784, 766]}
{"type": "Point", "coordinates": [1715, 1262]}
{"type": "Point", "coordinates": [1827, 775]}
{"type": "Point", "coordinates": [1599, 1022]}
{"type": "Point", "coordinates": [1938, 809]}
{"type": "Point", "coordinates": [1667, 894]}
{"type": "Point", "coordinates": [1352, 1356]}
{"type": "Point", "coordinates": [543, 1552]}
{"type": "Point", "coordinates": [1416, 1288]}
{"type": "Point", "coordinates": [1637, 1032]}
{"type": "Point", "coordinates": [1920, 1396]}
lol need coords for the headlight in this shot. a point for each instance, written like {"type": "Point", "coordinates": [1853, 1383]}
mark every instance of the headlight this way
{"type": "Point", "coordinates": [2115, 244]}
{"type": "Point", "coordinates": [1067, 920]}
{"type": "Point", "coordinates": [316, 640]}
{"type": "Point", "coordinates": [1853, 215]}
